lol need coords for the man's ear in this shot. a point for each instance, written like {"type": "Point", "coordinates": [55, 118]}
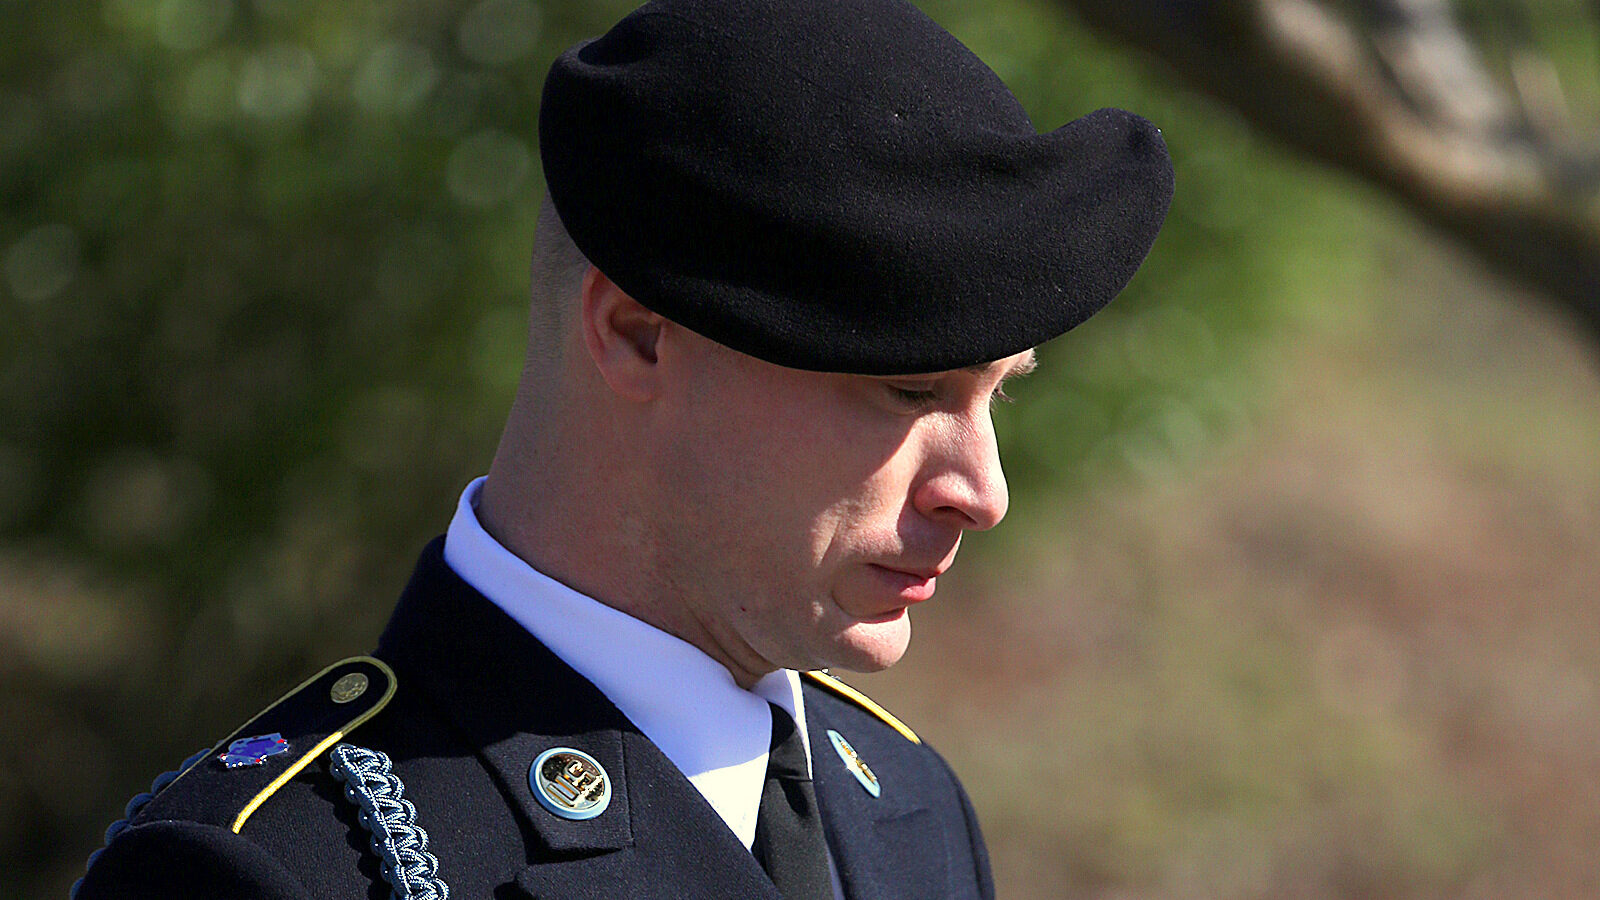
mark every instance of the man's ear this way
{"type": "Point", "coordinates": [621, 336]}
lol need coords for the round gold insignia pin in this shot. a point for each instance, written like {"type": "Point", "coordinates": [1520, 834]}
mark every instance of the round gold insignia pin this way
{"type": "Point", "coordinates": [570, 783]}
{"type": "Point", "coordinates": [349, 687]}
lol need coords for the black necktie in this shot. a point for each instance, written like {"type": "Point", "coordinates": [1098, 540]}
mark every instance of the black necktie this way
{"type": "Point", "coordinates": [789, 842]}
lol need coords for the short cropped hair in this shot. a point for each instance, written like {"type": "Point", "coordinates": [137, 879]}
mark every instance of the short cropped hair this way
{"type": "Point", "coordinates": [556, 279]}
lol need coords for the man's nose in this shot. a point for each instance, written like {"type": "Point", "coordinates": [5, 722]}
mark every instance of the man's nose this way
{"type": "Point", "coordinates": [963, 482]}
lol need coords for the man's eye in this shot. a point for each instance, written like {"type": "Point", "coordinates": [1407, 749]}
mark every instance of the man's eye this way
{"type": "Point", "coordinates": [914, 396]}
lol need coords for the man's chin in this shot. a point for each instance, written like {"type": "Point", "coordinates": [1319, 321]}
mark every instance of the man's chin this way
{"type": "Point", "coordinates": [872, 646]}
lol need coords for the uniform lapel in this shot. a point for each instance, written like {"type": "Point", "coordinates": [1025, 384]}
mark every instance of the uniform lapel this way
{"type": "Point", "coordinates": [680, 846]}
{"type": "Point", "coordinates": [879, 843]}
{"type": "Point", "coordinates": [513, 699]}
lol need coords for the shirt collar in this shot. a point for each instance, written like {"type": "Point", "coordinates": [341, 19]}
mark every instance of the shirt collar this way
{"type": "Point", "coordinates": [684, 701]}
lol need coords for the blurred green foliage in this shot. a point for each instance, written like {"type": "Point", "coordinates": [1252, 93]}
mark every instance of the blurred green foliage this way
{"type": "Point", "coordinates": [262, 269]}
{"type": "Point", "coordinates": [1559, 38]}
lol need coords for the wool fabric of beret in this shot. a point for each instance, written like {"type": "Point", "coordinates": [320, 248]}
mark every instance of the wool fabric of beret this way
{"type": "Point", "coordinates": [840, 185]}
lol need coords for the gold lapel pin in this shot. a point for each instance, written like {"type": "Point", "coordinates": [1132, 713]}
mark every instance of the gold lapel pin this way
{"type": "Point", "coordinates": [570, 783]}
{"type": "Point", "coordinates": [853, 761]}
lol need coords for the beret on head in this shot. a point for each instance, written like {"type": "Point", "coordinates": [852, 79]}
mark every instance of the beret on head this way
{"type": "Point", "coordinates": [840, 185]}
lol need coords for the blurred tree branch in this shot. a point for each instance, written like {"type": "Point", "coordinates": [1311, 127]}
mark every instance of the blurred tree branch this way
{"type": "Point", "coordinates": [1399, 93]}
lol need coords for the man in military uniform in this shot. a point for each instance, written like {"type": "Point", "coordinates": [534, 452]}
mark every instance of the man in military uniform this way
{"type": "Point", "coordinates": [791, 251]}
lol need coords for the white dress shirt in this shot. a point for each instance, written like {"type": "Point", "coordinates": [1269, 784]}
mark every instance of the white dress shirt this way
{"type": "Point", "coordinates": [685, 702]}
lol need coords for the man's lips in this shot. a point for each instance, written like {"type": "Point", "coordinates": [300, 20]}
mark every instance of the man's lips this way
{"type": "Point", "coordinates": [908, 585]}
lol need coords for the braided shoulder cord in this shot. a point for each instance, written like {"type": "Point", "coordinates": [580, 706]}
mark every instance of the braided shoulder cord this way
{"type": "Point", "coordinates": [137, 804]}
{"type": "Point", "coordinates": [401, 845]}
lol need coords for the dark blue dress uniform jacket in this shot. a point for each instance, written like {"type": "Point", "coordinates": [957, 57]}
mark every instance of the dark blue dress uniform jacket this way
{"type": "Point", "coordinates": [475, 699]}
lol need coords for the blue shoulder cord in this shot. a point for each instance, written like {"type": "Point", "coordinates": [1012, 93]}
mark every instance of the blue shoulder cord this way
{"type": "Point", "coordinates": [401, 845]}
{"type": "Point", "coordinates": [138, 803]}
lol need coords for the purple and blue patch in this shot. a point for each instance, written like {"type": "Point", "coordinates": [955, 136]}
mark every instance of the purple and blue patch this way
{"type": "Point", "coordinates": [253, 751]}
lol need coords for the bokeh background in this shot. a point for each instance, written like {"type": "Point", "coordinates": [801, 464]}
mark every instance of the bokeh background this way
{"type": "Point", "coordinates": [1297, 598]}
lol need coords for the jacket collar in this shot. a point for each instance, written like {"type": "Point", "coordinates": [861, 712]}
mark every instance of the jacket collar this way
{"type": "Point", "coordinates": [513, 699]}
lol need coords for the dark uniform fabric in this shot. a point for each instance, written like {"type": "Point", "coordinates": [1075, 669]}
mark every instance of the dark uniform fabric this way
{"type": "Point", "coordinates": [478, 699]}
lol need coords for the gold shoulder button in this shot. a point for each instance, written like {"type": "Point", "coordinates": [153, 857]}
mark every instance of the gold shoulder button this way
{"type": "Point", "coordinates": [835, 686]}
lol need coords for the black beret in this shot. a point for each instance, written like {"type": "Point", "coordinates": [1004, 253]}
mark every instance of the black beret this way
{"type": "Point", "coordinates": [840, 185]}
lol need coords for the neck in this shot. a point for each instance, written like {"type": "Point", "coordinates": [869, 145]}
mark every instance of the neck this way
{"type": "Point", "coordinates": [587, 534]}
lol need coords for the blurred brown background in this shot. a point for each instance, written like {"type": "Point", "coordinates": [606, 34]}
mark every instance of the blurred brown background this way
{"type": "Point", "coordinates": [1296, 599]}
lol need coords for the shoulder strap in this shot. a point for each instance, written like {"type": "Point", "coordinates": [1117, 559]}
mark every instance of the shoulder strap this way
{"type": "Point", "coordinates": [834, 686]}
{"type": "Point", "coordinates": [319, 712]}
{"type": "Point", "coordinates": [311, 718]}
